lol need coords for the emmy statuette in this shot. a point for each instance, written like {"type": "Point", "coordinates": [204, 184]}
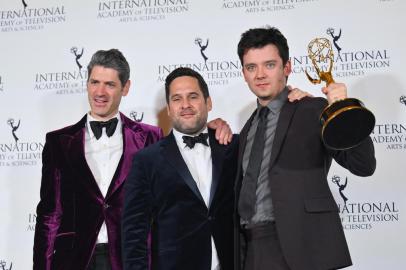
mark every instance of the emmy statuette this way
{"type": "Point", "coordinates": [345, 123]}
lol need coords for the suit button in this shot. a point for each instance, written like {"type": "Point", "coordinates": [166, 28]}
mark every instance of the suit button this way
{"type": "Point", "coordinates": [210, 218]}
{"type": "Point", "coordinates": [105, 206]}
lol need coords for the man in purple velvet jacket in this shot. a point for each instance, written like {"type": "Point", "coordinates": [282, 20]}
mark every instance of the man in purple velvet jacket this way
{"type": "Point", "coordinates": [84, 168]}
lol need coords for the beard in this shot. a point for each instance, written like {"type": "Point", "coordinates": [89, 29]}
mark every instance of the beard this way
{"type": "Point", "coordinates": [190, 127]}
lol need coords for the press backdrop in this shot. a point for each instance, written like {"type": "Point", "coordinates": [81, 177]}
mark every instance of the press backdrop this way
{"type": "Point", "coordinates": [45, 46]}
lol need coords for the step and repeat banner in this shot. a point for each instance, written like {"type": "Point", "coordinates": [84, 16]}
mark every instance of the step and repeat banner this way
{"type": "Point", "coordinates": [45, 46]}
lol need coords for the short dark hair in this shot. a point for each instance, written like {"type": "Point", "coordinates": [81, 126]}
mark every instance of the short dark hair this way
{"type": "Point", "coordinates": [114, 59]}
{"type": "Point", "coordinates": [185, 71]}
{"type": "Point", "coordinates": [260, 37]}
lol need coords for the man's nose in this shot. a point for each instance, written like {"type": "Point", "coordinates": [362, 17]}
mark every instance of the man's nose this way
{"type": "Point", "coordinates": [100, 89]}
{"type": "Point", "coordinates": [260, 73]}
{"type": "Point", "coordinates": [185, 103]}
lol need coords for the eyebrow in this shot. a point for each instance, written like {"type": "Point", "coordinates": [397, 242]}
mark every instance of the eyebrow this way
{"type": "Point", "coordinates": [272, 61]}
{"type": "Point", "coordinates": [264, 62]}
{"type": "Point", "coordinates": [97, 80]}
{"type": "Point", "coordinates": [187, 94]}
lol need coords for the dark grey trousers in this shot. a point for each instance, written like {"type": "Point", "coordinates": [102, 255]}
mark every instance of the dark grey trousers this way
{"type": "Point", "coordinates": [263, 251]}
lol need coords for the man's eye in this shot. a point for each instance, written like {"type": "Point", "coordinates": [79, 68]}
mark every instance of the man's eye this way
{"type": "Point", "coordinates": [270, 65]}
{"type": "Point", "coordinates": [250, 68]}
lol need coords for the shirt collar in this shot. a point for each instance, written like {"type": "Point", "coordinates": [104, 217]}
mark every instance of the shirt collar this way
{"type": "Point", "coordinates": [275, 105]}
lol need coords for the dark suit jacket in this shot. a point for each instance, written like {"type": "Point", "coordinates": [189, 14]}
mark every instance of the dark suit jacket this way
{"type": "Point", "coordinates": [72, 208]}
{"type": "Point", "coordinates": [306, 215]}
{"type": "Point", "coordinates": [163, 198]}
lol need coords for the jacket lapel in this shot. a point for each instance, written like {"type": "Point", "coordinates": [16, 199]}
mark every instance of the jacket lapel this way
{"type": "Point", "coordinates": [133, 140]}
{"type": "Point", "coordinates": [242, 144]}
{"type": "Point", "coordinates": [217, 157]}
{"type": "Point", "coordinates": [171, 152]}
{"type": "Point", "coordinates": [73, 146]}
{"type": "Point", "coordinates": [243, 137]}
{"type": "Point", "coordinates": [284, 121]}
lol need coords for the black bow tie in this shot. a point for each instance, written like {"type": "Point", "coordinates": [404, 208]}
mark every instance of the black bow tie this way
{"type": "Point", "coordinates": [97, 127]}
{"type": "Point", "coordinates": [191, 141]}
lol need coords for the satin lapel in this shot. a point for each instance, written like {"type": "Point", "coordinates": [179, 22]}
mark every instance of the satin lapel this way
{"type": "Point", "coordinates": [133, 141]}
{"type": "Point", "coordinates": [171, 152]}
{"type": "Point", "coordinates": [73, 146]}
{"type": "Point", "coordinates": [217, 157]}
{"type": "Point", "coordinates": [284, 121]}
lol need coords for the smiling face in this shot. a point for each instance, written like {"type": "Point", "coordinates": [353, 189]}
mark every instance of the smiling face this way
{"type": "Point", "coordinates": [104, 91]}
{"type": "Point", "coordinates": [265, 73]}
{"type": "Point", "coordinates": [186, 105]}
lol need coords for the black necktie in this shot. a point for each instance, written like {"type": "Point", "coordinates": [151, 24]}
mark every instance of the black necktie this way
{"type": "Point", "coordinates": [191, 141]}
{"type": "Point", "coordinates": [97, 127]}
{"type": "Point", "coordinates": [247, 200]}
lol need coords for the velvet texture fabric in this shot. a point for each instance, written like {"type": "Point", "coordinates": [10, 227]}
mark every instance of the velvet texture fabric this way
{"type": "Point", "coordinates": [163, 198]}
{"type": "Point", "coordinates": [307, 220]}
{"type": "Point", "coordinates": [72, 208]}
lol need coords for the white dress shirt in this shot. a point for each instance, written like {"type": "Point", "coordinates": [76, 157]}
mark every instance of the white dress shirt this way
{"type": "Point", "coordinates": [103, 156]}
{"type": "Point", "coordinates": [199, 163]}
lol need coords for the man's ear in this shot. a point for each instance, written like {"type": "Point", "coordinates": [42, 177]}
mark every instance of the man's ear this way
{"type": "Point", "coordinates": [126, 88]}
{"type": "Point", "coordinates": [209, 104]}
{"type": "Point", "coordinates": [287, 69]}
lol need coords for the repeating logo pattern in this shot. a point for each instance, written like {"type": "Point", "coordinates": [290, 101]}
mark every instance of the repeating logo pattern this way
{"type": "Point", "coordinates": [24, 4]}
{"type": "Point", "coordinates": [74, 50]}
{"type": "Point", "coordinates": [65, 82]}
{"type": "Point", "coordinates": [264, 6]}
{"type": "Point", "coordinates": [335, 38]}
{"type": "Point", "coordinates": [402, 100]}
{"type": "Point", "coordinates": [363, 215]}
{"type": "Point", "coordinates": [336, 180]}
{"type": "Point", "coordinates": [17, 153]}
{"type": "Point", "coordinates": [198, 41]}
{"type": "Point", "coordinates": [216, 72]}
{"type": "Point", "coordinates": [13, 128]}
{"type": "Point", "coordinates": [3, 265]}
{"type": "Point", "coordinates": [137, 117]}
{"type": "Point", "coordinates": [141, 10]}
{"type": "Point", "coordinates": [32, 220]}
{"type": "Point", "coordinates": [348, 62]}
{"type": "Point", "coordinates": [31, 19]}
{"type": "Point", "coordinates": [390, 135]}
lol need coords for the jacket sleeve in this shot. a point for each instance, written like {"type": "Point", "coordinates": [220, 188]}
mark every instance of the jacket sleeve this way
{"type": "Point", "coordinates": [359, 160]}
{"type": "Point", "coordinates": [137, 213]}
{"type": "Point", "coordinates": [49, 209]}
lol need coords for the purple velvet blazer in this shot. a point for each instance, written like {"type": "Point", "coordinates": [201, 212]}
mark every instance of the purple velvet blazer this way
{"type": "Point", "coordinates": [72, 208]}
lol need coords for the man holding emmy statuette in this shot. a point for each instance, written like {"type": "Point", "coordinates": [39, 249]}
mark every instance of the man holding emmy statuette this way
{"type": "Point", "coordinates": [285, 214]}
